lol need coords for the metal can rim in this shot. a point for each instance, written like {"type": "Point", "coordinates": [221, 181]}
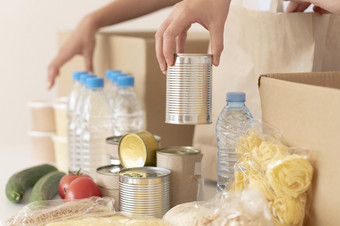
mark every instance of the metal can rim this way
{"type": "Point", "coordinates": [176, 150]}
{"type": "Point", "coordinates": [101, 168]}
{"type": "Point", "coordinates": [159, 169]}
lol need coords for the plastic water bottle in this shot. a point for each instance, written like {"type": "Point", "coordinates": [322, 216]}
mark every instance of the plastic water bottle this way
{"type": "Point", "coordinates": [75, 90]}
{"type": "Point", "coordinates": [128, 116]}
{"type": "Point", "coordinates": [114, 88]}
{"type": "Point", "coordinates": [74, 131]}
{"type": "Point", "coordinates": [71, 107]}
{"type": "Point", "coordinates": [96, 126]}
{"type": "Point", "coordinates": [231, 124]}
{"type": "Point", "coordinates": [108, 83]}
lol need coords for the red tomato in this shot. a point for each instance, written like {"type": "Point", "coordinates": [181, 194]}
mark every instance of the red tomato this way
{"type": "Point", "coordinates": [66, 181]}
{"type": "Point", "coordinates": [82, 187]}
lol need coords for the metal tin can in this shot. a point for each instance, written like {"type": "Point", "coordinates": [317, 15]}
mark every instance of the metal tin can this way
{"type": "Point", "coordinates": [108, 176]}
{"type": "Point", "coordinates": [138, 149]}
{"type": "Point", "coordinates": [184, 162]}
{"type": "Point", "coordinates": [144, 191]}
{"type": "Point", "coordinates": [189, 90]}
{"type": "Point", "coordinates": [107, 179]}
{"type": "Point", "coordinates": [112, 144]}
{"type": "Point", "coordinates": [112, 149]}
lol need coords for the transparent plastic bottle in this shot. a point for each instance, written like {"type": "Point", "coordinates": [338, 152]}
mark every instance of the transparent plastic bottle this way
{"type": "Point", "coordinates": [128, 115]}
{"type": "Point", "coordinates": [108, 82]}
{"type": "Point", "coordinates": [114, 88]}
{"type": "Point", "coordinates": [96, 126]}
{"type": "Point", "coordinates": [71, 106]}
{"type": "Point", "coordinates": [74, 126]}
{"type": "Point", "coordinates": [232, 123]}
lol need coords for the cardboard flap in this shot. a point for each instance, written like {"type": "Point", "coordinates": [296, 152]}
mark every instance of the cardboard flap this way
{"type": "Point", "coordinates": [324, 79]}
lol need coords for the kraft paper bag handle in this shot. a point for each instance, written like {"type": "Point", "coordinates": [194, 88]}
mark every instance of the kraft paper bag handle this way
{"type": "Point", "coordinates": [276, 6]}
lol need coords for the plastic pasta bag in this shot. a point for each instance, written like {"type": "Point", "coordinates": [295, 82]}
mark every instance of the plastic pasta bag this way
{"type": "Point", "coordinates": [247, 207]}
{"type": "Point", "coordinates": [284, 175]}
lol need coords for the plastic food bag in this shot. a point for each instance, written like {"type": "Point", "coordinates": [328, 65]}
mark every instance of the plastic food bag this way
{"type": "Point", "coordinates": [284, 175]}
{"type": "Point", "coordinates": [43, 212]}
{"type": "Point", "coordinates": [90, 211]}
{"type": "Point", "coordinates": [247, 207]}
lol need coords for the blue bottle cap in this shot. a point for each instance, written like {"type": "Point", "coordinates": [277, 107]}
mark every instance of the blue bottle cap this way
{"type": "Point", "coordinates": [125, 81]}
{"type": "Point", "coordinates": [115, 76]}
{"type": "Point", "coordinates": [76, 75]}
{"type": "Point", "coordinates": [84, 77]}
{"type": "Point", "coordinates": [109, 73]}
{"type": "Point", "coordinates": [236, 96]}
{"type": "Point", "coordinates": [95, 82]}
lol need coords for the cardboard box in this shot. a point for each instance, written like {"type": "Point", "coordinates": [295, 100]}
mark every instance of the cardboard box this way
{"type": "Point", "coordinates": [134, 53]}
{"type": "Point", "coordinates": [305, 107]}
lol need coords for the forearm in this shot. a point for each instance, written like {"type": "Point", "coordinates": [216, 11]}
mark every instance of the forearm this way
{"type": "Point", "coordinates": [123, 10]}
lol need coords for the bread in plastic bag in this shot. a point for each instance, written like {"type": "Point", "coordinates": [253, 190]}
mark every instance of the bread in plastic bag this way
{"type": "Point", "coordinates": [283, 174]}
{"type": "Point", "coordinates": [43, 212]}
{"type": "Point", "coordinates": [90, 211]}
{"type": "Point", "coordinates": [247, 207]}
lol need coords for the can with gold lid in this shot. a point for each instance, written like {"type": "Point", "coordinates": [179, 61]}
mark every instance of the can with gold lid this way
{"type": "Point", "coordinates": [112, 144]}
{"type": "Point", "coordinates": [144, 191]}
{"type": "Point", "coordinates": [138, 149]}
{"type": "Point", "coordinates": [184, 162]}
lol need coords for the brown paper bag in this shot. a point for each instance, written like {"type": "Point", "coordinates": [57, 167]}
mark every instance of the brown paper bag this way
{"type": "Point", "coordinates": [258, 43]}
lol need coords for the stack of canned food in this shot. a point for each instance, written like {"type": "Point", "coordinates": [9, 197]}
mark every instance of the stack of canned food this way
{"type": "Point", "coordinates": [140, 183]}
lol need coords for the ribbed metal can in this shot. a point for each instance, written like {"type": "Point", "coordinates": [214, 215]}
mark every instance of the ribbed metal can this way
{"type": "Point", "coordinates": [189, 90]}
{"type": "Point", "coordinates": [144, 191]}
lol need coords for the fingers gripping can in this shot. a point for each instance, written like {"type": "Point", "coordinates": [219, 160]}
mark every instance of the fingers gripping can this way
{"type": "Point", "coordinates": [189, 90]}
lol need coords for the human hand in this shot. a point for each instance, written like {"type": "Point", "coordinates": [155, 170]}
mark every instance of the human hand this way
{"type": "Point", "coordinates": [211, 14]}
{"type": "Point", "coordinates": [320, 6]}
{"type": "Point", "coordinates": [82, 41]}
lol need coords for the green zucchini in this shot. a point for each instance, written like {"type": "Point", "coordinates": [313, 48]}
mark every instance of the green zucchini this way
{"type": "Point", "coordinates": [46, 187]}
{"type": "Point", "coordinates": [20, 181]}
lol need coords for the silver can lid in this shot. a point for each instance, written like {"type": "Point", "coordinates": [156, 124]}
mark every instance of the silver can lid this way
{"type": "Point", "coordinates": [193, 58]}
{"type": "Point", "coordinates": [109, 169]}
{"type": "Point", "coordinates": [144, 175]}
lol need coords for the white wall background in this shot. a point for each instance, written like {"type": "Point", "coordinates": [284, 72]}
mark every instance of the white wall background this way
{"type": "Point", "coordinates": [28, 42]}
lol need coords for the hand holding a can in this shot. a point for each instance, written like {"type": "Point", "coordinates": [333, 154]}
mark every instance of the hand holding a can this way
{"type": "Point", "coordinates": [210, 14]}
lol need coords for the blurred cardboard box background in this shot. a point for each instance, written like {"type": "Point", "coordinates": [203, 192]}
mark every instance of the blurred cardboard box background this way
{"type": "Point", "coordinates": [305, 108]}
{"type": "Point", "coordinates": [134, 53]}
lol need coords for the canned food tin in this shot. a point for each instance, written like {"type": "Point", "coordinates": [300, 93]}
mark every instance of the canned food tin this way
{"type": "Point", "coordinates": [185, 165]}
{"type": "Point", "coordinates": [112, 149]}
{"type": "Point", "coordinates": [112, 144]}
{"type": "Point", "coordinates": [108, 176]}
{"type": "Point", "coordinates": [144, 191]}
{"type": "Point", "coordinates": [189, 90]}
{"type": "Point", "coordinates": [138, 149]}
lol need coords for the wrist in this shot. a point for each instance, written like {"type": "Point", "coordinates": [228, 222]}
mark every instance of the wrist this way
{"type": "Point", "coordinates": [91, 23]}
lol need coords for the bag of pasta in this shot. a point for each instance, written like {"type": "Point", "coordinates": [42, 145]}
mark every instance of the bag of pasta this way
{"type": "Point", "coordinates": [283, 174]}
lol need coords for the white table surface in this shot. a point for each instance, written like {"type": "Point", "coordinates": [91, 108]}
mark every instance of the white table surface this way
{"type": "Point", "coordinates": [15, 158]}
